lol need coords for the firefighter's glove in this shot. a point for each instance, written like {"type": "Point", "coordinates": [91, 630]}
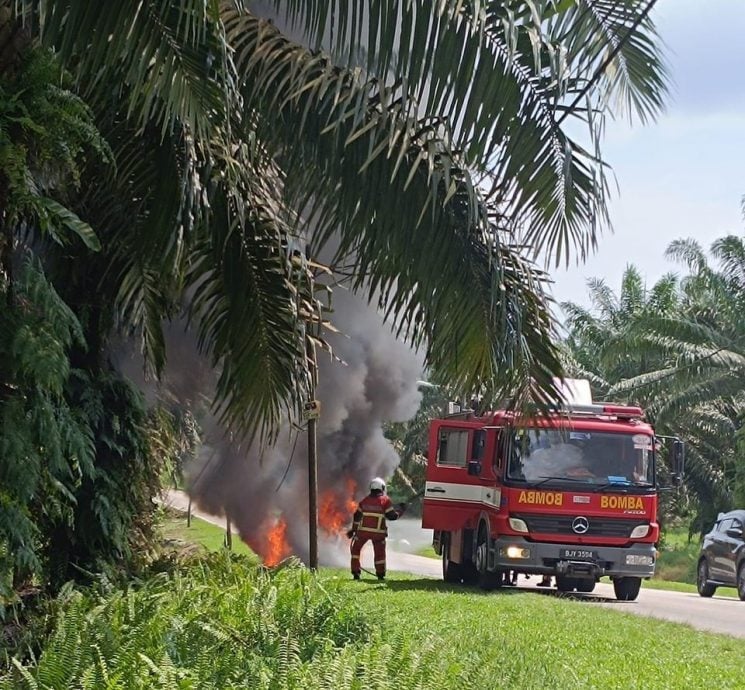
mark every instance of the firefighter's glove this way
{"type": "Point", "coordinates": [351, 534]}
{"type": "Point", "coordinates": [401, 508]}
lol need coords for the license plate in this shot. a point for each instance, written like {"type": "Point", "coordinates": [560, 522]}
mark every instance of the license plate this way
{"type": "Point", "coordinates": [582, 554]}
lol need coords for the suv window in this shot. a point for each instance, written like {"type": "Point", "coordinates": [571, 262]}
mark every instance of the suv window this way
{"type": "Point", "coordinates": [736, 524]}
{"type": "Point", "coordinates": [724, 525]}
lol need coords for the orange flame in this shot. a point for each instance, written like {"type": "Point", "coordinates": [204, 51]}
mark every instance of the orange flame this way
{"type": "Point", "coordinates": [276, 539]}
{"type": "Point", "coordinates": [336, 507]}
{"type": "Point", "coordinates": [272, 545]}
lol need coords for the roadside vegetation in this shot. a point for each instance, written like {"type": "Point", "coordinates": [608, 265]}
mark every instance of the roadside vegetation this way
{"type": "Point", "coordinates": [220, 621]}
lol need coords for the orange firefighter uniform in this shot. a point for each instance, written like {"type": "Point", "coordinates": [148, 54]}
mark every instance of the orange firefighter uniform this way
{"type": "Point", "coordinates": [369, 524]}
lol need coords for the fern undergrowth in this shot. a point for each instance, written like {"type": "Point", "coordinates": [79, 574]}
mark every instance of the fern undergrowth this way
{"type": "Point", "coordinates": [222, 623]}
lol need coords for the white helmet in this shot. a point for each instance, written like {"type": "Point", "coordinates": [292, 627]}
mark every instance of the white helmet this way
{"type": "Point", "coordinates": [377, 484]}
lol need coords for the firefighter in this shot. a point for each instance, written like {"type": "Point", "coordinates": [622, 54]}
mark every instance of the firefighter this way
{"type": "Point", "coordinates": [369, 524]}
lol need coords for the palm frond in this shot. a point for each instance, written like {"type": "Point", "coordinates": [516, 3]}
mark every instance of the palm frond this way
{"type": "Point", "coordinates": [468, 290]}
{"type": "Point", "coordinates": [165, 54]}
{"type": "Point", "coordinates": [730, 252]}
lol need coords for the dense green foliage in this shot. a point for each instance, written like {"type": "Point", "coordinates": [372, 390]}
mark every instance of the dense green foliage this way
{"type": "Point", "coordinates": [678, 349]}
{"type": "Point", "coordinates": [45, 445]}
{"type": "Point", "coordinates": [78, 471]}
{"type": "Point", "coordinates": [226, 624]}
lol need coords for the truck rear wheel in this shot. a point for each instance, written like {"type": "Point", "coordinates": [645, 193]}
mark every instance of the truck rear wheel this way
{"type": "Point", "coordinates": [451, 572]}
{"type": "Point", "coordinates": [487, 579]}
{"type": "Point", "coordinates": [627, 588]}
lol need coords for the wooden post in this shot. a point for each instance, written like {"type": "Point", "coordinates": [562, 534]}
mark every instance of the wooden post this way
{"type": "Point", "coordinates": [188, 513]}
{"type": "Point", "coordinates": [228, 533]}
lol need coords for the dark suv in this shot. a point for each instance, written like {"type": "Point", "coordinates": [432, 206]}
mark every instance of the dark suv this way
{"type": "Point", "coordinates": [721, 562]}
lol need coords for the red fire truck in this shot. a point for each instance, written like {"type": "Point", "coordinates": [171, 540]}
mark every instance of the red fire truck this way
{"type": "Point", "coordinates": [571, 495]}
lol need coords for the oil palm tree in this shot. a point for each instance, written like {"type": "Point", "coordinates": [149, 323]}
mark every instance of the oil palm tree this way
{"type": "Point", "coordinates": [681, 354]}
{"type": "Point", "coordinates": [602, 340]}
{"type": "Point", "coordinates": [440, 160]}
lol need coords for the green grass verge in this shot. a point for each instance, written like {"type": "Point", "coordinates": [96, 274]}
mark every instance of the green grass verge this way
{"type": "Point", "coordinates": [520, 639]}
{"type": "Point", "coordinates": [686, 587]}
{"type": "Point", "coordinates": [427, 552]}
{"type": "Point", "coordinates": [201, 532]}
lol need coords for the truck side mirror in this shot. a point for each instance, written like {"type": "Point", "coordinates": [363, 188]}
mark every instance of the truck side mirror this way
{"type": "Point", "coordinates": [474, 468]}
{"type": "Point", "coordinates": [677, 461]}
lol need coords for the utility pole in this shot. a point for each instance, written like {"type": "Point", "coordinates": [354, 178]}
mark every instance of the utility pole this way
{"type": "Point", "coordinates": [312, 412]}
{"type": "Point", "coordinates": [228, 533]}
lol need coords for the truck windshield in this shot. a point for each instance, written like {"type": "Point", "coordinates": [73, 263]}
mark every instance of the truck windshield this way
{"type": "Point", "coordinates": [600, 459]}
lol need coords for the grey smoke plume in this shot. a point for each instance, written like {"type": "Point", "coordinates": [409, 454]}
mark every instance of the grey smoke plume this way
{"type": "Point", "coordinates": [255, 486]}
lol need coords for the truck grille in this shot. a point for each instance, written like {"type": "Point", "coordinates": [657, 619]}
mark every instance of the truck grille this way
{"type": "Point", "coordinates": [562, 524]}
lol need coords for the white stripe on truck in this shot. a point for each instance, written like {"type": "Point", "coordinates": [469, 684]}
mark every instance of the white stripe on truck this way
{"type": "Point", "coordinates": [446, 491]}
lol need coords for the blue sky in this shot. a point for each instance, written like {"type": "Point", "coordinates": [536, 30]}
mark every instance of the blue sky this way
{"type": "Point", "coordinates": [683, 176]}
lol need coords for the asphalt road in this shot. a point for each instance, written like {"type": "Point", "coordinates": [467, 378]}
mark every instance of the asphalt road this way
{"type": "Point", "coordinates": [718, 614]}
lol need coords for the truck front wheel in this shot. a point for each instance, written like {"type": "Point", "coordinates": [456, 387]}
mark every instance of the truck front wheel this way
{"type": "Point", "coordinates": [627, 588]}
{"type": "Point", "coordinates": [451, 572]}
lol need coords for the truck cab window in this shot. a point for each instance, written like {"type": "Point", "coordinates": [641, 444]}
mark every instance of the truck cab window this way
{"type": "Point", "coordinates": [453, 448]}
{"type": "Point", "coordinates": [588, 456]}
{"type": "Point", "coordinates": [478, 445]}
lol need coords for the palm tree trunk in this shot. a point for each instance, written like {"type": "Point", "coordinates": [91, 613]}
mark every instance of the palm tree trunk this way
{"type": "Point", "coordinates": [6, 241]}
{"type": "Point", "coordinates": [14, 41]}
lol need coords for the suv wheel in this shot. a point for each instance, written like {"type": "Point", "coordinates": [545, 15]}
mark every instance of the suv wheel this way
{"type": "Point", "coordinates": [705, 588]}
{"type": "Point", "coordinates": [741, 581]}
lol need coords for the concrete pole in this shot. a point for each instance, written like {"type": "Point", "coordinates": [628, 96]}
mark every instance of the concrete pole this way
{"type": "Point", "coordinates": [312, 464]}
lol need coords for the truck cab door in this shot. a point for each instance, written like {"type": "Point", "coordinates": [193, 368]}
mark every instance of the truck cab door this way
{"type": "Point", "coordinates": [459, 479]}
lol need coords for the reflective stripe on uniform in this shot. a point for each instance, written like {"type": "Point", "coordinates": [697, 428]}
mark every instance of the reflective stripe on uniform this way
{"type": "Point", "coordinates": [380, 562]}
{"type": "Point", "coordinates": [378, 517]}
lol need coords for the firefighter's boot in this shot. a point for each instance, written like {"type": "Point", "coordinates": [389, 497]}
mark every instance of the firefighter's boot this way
{"type": "Point", "coordinates": [356, 576]}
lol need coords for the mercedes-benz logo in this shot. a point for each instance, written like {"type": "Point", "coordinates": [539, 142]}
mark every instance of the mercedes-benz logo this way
{"type": "Point", "coordinates": [580, 524]}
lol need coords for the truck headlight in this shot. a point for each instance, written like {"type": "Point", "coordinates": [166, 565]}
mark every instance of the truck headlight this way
{"type": "Point", "coordinates": [518, 525]}
{"type": "Point", "coordinates": [640, 531]}
{"type": "Point", "coordinates": [514, 552]}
